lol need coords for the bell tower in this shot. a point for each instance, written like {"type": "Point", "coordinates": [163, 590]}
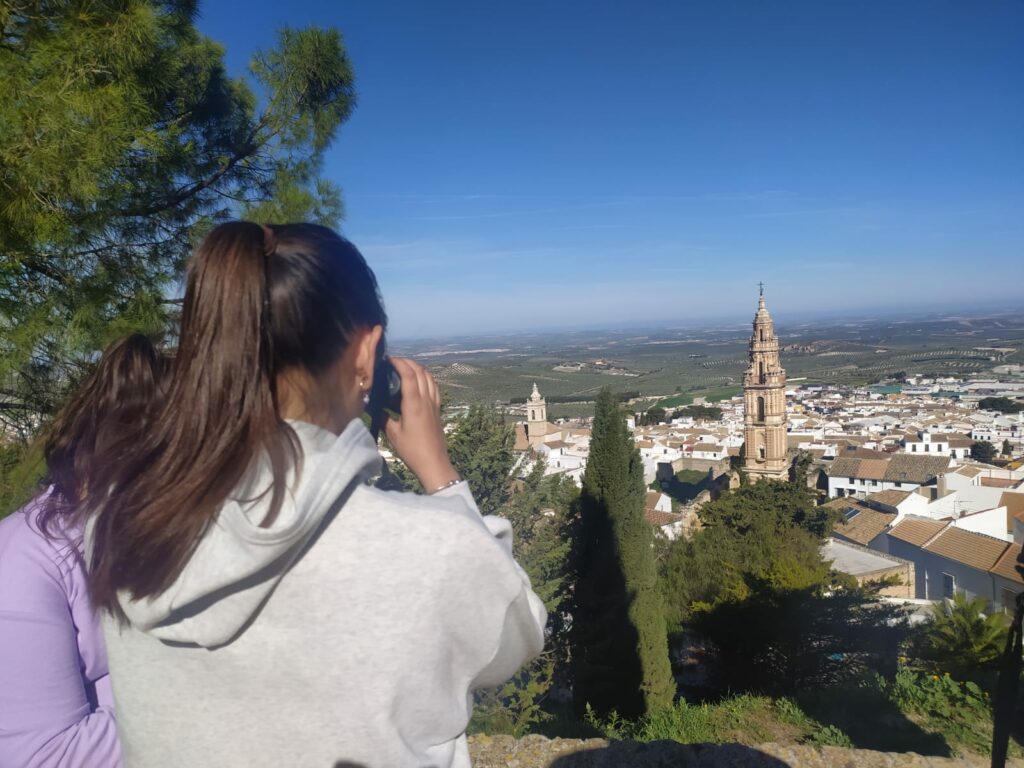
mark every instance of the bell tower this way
{"type": "Point", "coordinates": [764, 401]}
{"type": "Point", "coordinates": [536, 415]}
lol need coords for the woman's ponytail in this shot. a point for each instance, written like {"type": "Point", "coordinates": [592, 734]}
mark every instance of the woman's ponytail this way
{"type": "Point", "coordinates": [219, 412]}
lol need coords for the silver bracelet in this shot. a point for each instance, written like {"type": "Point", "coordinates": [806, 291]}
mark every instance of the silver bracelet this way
{"type": "Point", "coordinates": [447, 485]}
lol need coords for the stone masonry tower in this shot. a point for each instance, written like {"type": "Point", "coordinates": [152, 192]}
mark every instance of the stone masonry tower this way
{"type": "Point", "coordinates": [764, 400]}
{"type": "Point", "coordinates": [536, 415]}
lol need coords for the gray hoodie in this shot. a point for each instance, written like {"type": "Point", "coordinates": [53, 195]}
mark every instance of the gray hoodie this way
{"type": "Point", "coordinates": [351, 631]}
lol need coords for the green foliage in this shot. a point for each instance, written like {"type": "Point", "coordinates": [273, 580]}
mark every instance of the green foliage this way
{"type": "Point", "coordinates": [786, 503]}
{"type": "Point", "coordinates": [675, 401]}
{"type": "Point", "coordinates": [684, 486]}
{"type": "Point", "coordinates": [963, 637]}
{"type": "Point", "coordinates": [700, 412]}
{"type": "Point", "coordinates": [653, 415]}
{"type": "Point", "coordinates": [983, 450]}
{"type": "Point", "coordinates": [480, 447]}
{"type": "Point", "coordinates": [1007, 448]}
{"type": "Point", "coordinates": [783, 639]}
{"type": "Point", "coordinates": [801, 468]}
{"type": "Point", "coordinates": [540, 512]}
{"type": "Point", "coordinates": [1000, 404]}
{"type": "Point", "coordinates": [122, 140]}
{"type": "Point", "coordinates": [515, 708]}
{"type": "Point", "coordinates": [620, 646]}
{"type": "Point", "coordinates": [691, 476]}
{"type": "Point", "coordinates": [745, 719]}
{"type": "Point", "coordinates": [830, 736]}
{"type": "Point", "coordinates": [766, 531]}
{"type": "Point", "coordinates": [961, 712]}
{"type": "Point", "coordinates": [21, 468]}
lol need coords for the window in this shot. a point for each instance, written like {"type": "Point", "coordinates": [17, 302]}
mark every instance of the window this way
{"type": "Point", "coordinates": [760, 452]}
{"type": "Point", "coordinates": [926, 447]}
{"type": "Point", "coordinates": [913, 447]}
{"type": "Point", "coordinates": [1008, 599]}
{"type": "Point", "coordinates": [874, 482]}
{"type": "Point", "coordinates": [533, 415]}
{"type": "Point", "coordinates": [760, 409]}
{"type": "Point", "coordinates": [899, 484]}
{"type": "Point", "coordinates": [948, 585]}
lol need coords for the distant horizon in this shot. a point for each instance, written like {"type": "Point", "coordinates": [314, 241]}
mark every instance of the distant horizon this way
{"type": "Point", "coordinates": [728, 322]}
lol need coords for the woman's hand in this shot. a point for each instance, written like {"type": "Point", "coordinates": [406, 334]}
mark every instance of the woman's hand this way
{"type": "Point", "coordinates": [418, 436]}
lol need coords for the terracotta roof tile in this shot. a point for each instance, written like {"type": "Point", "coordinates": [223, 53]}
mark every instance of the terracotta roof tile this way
{"type": "Point", "coordinates": [967, 547]}
{"type": "Point", "coordinates": [1014, 503]}
{"type": "Point", "coordinates": [998, 482]}
{"type": "Point", "coordinates": [1007, 565]}
{"type": "Point", "coordinates": [890, 498]}
{"type": "Point", "coordinates": [915, 469]}
{"type": "Point", "coordinates": [916, 530]}
{"type": "Point", "coordinates": [864, 526]}
{"type": "Point", "coordinates": [873, 469]}
{"type": "Point", "coordinates": [654, 517]}
{"type": "Point", "coordinates": [711, 447]}
{"type": "Point", "coordinates": [843, 467]}
{"type": "Point", "coordinates": [521, 441]}
{"type": "Point", "coordinates": [969, 471]}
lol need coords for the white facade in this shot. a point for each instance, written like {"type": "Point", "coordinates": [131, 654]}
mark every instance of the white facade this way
{"type": "Point", "coordinates": [991, 522]}
{"type": "Point", "coordinates": [926, 445]}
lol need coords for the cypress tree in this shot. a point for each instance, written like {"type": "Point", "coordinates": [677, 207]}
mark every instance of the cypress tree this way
{"type": "Point", "coordinates": [620, 641]}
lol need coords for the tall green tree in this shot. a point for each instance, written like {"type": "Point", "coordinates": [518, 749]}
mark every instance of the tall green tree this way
{"type": "Point", "coordinates": [766, 531]}
{"type": "Point", "coordinates": [541, 513]}
{"type": "Point", "coordinates": [122, 141]}
{"type": "Point", "coordinates": [620, 642]}
{"type": "Point", "coordinates": [1000, 404]}
{"type": "Point", "coordinates": [480, 447]}
{"type": "Point", "coordinates": [983, 450]}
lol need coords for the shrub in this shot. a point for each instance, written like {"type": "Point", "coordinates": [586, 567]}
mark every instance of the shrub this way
{"type": "Point", "coordinates": [962, 637]}
{"type": "Point", "coordinates": [961, 712]}
{"type": "Point", "coordinates": [747, 719]}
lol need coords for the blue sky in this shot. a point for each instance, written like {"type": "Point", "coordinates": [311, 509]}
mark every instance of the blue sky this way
{"type": "Point", "coordinates": [530, 165]}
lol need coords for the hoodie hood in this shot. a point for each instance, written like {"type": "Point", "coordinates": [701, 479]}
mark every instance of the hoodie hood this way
{"type": "Point", "coordinates": [237, 564]}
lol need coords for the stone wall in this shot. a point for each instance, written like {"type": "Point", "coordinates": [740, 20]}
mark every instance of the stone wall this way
{"type": "Point", "coordinates": [540, 752]}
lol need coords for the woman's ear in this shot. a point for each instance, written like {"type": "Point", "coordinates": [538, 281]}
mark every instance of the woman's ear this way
{"type": "Point", "coordinates": [367, 340]}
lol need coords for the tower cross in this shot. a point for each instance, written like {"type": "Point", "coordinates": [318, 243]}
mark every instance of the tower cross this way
{"type": "Point", "coordinates": [761, 286]}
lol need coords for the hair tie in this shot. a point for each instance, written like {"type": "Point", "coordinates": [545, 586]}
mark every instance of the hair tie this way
{"type": "Point", "coordinates": [269, 240]}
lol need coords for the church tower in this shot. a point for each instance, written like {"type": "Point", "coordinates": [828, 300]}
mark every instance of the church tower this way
{"type": "Point", "coordinates": [536, 416]}
{"type": "Point", "coordinates": [764, 401]}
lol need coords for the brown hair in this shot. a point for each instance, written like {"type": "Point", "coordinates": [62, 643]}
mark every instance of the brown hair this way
{"type": "Point", "coordinates": [109, 403]}
{"type": "Point", "coordinates": [258, 300]}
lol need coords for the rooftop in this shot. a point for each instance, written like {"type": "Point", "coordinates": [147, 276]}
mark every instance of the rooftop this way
{"type": "Point", "coordinates": [917, 530]}
{"type": "Point", "coordinates": [857, 561]}
{"type": "Point", "coordinates": [865, 525]}
{"type": "Point", "coordinates": [973, 549]}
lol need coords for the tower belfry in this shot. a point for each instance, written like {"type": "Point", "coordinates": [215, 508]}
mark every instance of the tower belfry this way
{"type": "Point", "coordinates": [536, 415]}
{"type": "Point", "coordinates": [764, 401]}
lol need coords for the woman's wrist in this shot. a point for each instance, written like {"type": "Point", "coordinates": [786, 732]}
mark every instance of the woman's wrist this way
{"type": "Point", "coordinates": [439, 479]}
{"type": "Point", "coordinates": [451, 483]}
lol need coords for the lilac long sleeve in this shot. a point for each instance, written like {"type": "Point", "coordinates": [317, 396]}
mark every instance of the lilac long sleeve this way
{"type": "Point", "coordinates": [56, 706]}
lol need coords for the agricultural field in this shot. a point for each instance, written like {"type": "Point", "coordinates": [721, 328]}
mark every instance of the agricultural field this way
{"type": "Point", "coordinates": [678, 365]}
